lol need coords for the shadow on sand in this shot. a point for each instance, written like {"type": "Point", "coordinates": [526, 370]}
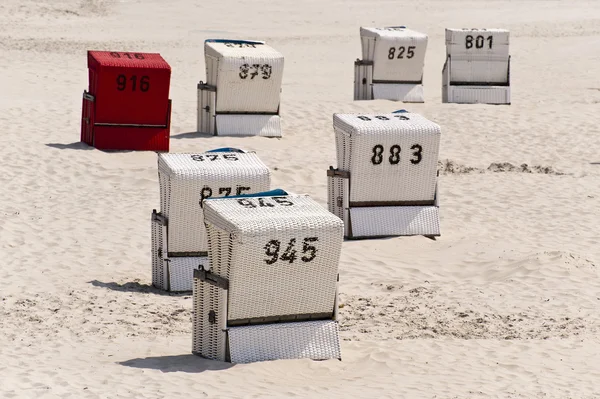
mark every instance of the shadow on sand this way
{"type": "Point", "coordinates": [191, 135]}
{"type": "Point", "coordinates": [185, 363]}
{"type": "Point", "coordinates": [134, 286]}
{"type": "Point", "coordinates": [73, 146]}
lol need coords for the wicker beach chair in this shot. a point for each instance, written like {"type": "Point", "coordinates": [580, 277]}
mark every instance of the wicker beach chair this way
{"type": "Point", "coordinates": [271, 291]}
{"type": "Point", "coordinates": [127, 105]}
{"type": "Point", "coordinates": [241, 95]}
{"type": "Point", "coordinates": [477, 67]}
{"type": "Point", "coordinates": [179, 242]}
{"type": "Point", "coordinates": [392, 65]}
{"type": "Point", "coordinates": [386, 180]}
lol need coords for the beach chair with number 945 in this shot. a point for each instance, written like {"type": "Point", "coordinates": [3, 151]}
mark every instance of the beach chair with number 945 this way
{"type": "Point", "coordinates": [271, 290]}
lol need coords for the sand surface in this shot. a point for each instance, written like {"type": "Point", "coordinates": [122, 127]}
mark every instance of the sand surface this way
{"type": "Point", "coordinates": [505, 304]}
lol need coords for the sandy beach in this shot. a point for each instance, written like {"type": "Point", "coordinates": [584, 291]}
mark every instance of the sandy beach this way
{"type": "Point", "coordinates": [505, 304]}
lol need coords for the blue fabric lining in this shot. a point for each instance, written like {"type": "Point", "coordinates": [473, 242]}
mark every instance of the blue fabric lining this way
{"type": "Point", "coordinates": [271, 193]}
{"type": "Point", "coordinates": [232, 41]}
{"type": "Point", "coordinates": [226, 149]}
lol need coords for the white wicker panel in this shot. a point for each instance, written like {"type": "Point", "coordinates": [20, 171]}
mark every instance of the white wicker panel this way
{"type": "Point", "coordinates": [478, 43]}
{"type": "Point", "coordinates": [248, 125]}
{"type": "Point", "coordinates": [248, 78]}
{"type": "Point", "coordinates": [363, 81]}
{"type": "Point", "coordinates": [410, 93]}
{"type": "Point", "coordinates": [367, 152]}
{"type": "Point", "coordinates": [206, 111]}
{"type": "Point", "coordinates": [264, 279]}
{"type": "Point", "coordinates": [208, 337]}
{"type": "Point", "coordinates": [475, 71]}
{"type": "Point", "coordinates": [395, 221]}
{"type": "Point", "coordinates": [317, 340]}
{"type": "Point", "coordinates": [185, 178]}
{"type": "Point", "coordinates": [398, 55]}
{"type": "Point", "coordinates": [212, 67]}
{"type": "Point", "coordinates": [181, 271]}
{"type": "Point", "coordinates": [335, 196]}
{"type": "Point", "coordinates": [337, 188]}
{"type": "Point", "coordinates": [479, 94]}
{"type": "Point", "coordinates": [367, 46]}
{"type": "Point", "coordinates": [478, 55]}
{"type": "Point", "coordinates": [158, 278]}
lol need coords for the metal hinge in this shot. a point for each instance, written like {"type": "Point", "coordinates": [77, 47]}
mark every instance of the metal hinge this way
{"type": "Point", "coordinates": [338, 173]}
{"type": "Point", "coordinates": [211, 278]}
{"type": "Point", "coordinates": [158, 217]}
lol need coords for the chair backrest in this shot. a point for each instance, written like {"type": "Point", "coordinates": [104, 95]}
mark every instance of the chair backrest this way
{"type": "Point", "coordinates": [397, 53]}
{"type": "Point", "coordinates": [390, 157]}
{"type": "Point", "coordinates": [478, 55]}
{"type": "Point", "coordinates": [187, 179]}
{"type": "Point", "coordinates": [280, 254]}
{"type": "Point", "coordinates": [247, 75]}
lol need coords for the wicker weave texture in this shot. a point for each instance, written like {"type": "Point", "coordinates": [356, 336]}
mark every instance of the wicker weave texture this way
{"type": "Point", "coordinates": [478, 71]}
{"type": "Point", "coordinates": [398, 54]}
{"type": "Point", "coordinates": [248, 125]}
{"type": "Point", "coordinates": [181, 271]}
{"type": "Point", "coordinates": [493, 43]}
{"type": "Point", "coordinates": [410, 93]}
{"type": "Point", "coordinates": [395, 221]}
{"type": "Point", "coordinates": [335, 189]}
{"type": "Point", "coordinates": [281, 257]}
{"type": "Point", "coordinates": [390, 157]}
{"type": "Point", "coordinates": [126, 60]}
{"type": "Point", "coordinates": [171, 274]}
{"type": "Point", "coordinates": [248, 78]}
{"type": "Point", "coordinates": [478, 55]}
{"type": "Point", "coordinates": [185, 179]}
{"type": "Point", "coordinates": [363, 81]}
{"type": "Point", "coordinates": [158, 277]}
{"type": "Point", "coordinates": [208, 336]}
{"type": "Point", "coordinates": [206, 107]}
{"type": "Point", "coordinates": [479, 94]}
{"type": "Point", "coordinates": [317, 340]}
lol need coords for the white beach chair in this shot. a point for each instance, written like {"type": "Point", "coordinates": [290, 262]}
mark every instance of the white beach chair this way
{"type": "Point", "coordinates": [179, 242]}
{"type": "Point", "coordinates": [392, 65]}
{"type": "Point", "coordinates": [241, 95]}
{"type": "Point", "coordinates": [271, 291]}
{"type": "Point", "coordinates": [386, 180]}
{"type": "Point", "coordinates": [477, 67]}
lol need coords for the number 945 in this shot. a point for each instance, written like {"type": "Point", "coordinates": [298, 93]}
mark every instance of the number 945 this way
{"type": "Point", "coordinates": [273, 248]}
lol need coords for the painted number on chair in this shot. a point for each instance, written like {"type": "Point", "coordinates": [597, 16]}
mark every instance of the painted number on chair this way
{"type": "Point", "coordinates": [261, 202]}
{"type": "Point", "coordinates": [383, 118]}
{"type": "Point", "coordinates": [214, 157]}
{"type": "Point", "coordinates": [133, 83]}
{"type": "Point", "coordinates": [240, 45]}
{"type": "Point", "coordinates": [207, 192]}
{"type": "Point", "coordinates": [394, 154]}
{"type": "Point", "coordinates": [478, 41]}
{"type": "Point", "coordinates": [253, 70]}
{"type": "Point", "coordinates": [131, 56]}
{"type": "Point", "coordinates": [308, 254]}
{"type": "Point", "coordinates": [403, 52]}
